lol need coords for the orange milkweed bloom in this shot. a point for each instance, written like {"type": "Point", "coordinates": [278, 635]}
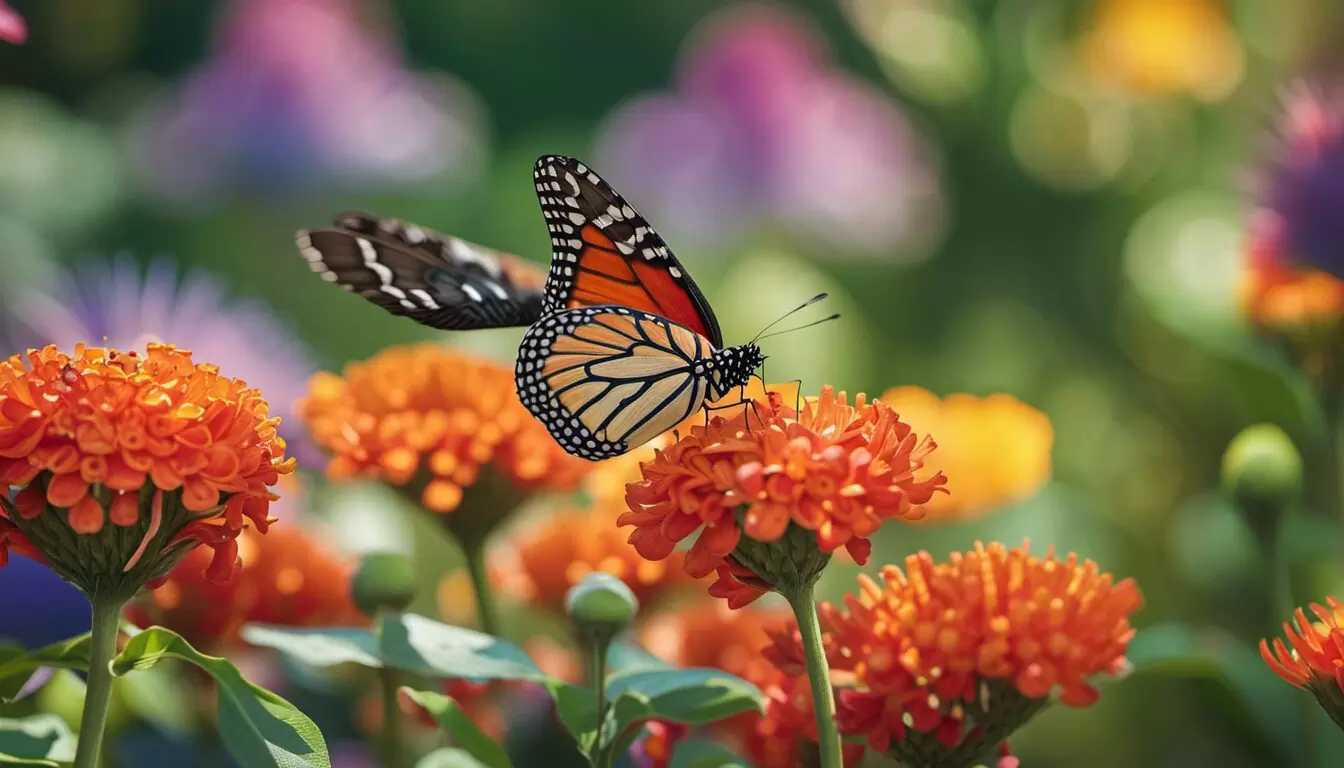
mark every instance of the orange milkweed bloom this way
{"type": "Point", "coordinates": [777, 490]}
{"type": "Point", "coordinates": [542, 561]}
{"type": "Point", "coordinates": [944, 655]}
{"type": "Point", "coordinates": [141, 457]}
{"type": "Point", "coordinates": [1315, 660]}
{"type": "Point", "coordinates": [428, 419]}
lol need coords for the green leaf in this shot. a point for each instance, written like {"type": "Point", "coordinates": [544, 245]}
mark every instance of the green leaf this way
{"type": "Point", "coordinates": [407, 642]}
{"type": "Point", "coordinates": [628, 657]}
{"type": "Point", "coordinates": [1266, 706]}
{"type": "Point", "coordinates": [577, 708]}
{"type": "Point", "coordinates": [37, 740]}
{"type": "Point", "coordinates": [704, 754]}
{"type": "Point", "coordinates": [449, 715]}
{"type": "Point", "coordinates": [15, 670]}
{"type": "Point", "coordinates": [690, 696]}
{"type": "Point", "coordinates": [258, 727]}
{"type": "Point", "coordinates": [449, 757]}
{"type": "Point", "coordinates": [161, 697]}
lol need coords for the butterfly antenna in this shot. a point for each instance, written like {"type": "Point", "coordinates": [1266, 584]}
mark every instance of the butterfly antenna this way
{"type": "Point", "coordinates": [836, 316]}
{"type": "Point", "coordinates": [796, 309]}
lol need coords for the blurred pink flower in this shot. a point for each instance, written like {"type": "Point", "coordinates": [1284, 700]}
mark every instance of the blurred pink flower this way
{"type": "Point", "coordinates": [306, 93]}
{"type": "Point", "coordinates": [760, 125]}
{"type": "Point", "coordinates": [13, 29]}
{"type": "Point", "coordinates": [118, 302]}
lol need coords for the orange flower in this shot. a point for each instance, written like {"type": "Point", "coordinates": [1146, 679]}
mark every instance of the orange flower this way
{"type": "Point", "coordinates": [286, 577]}
{"type": "Point", "coordinates": [830, 474]}
{"type": "Point", "coordinates": [713, 635]}
{"type": "Point", "coordinates": [541, 563]}
{"type": "Point", "coordinates": [1316, 660]}
{"type": "Point", "coordinates": [428, 419]}
{"type": "Point", "coordinates": [1291, 299]}
{"type": "Point", "coordinates": [171, 453]}
{"type": "Point", "coordinates": [972, 435]}
{"type": "Point", "coordinates": [966, 651]}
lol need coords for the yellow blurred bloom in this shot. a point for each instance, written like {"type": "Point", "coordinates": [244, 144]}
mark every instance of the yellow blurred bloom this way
{"type": "Point", "coordinates": [1165, 47]}
{"type": "Point", "coordinates": [994, 450]}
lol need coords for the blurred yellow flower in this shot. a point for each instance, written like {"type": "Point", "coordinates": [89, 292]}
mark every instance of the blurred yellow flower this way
{"type": "Point", "coordinates": [994, 450]}
{"type": "Point", "coordinates": [1165, 47]}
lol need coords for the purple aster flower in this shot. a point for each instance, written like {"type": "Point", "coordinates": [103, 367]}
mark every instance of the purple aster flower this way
{"type": "Point", "coordinates": [760, 126]}
{"type": "Point", "coordinates": [1299, 221]}
{"type": "Point", "coordinates": [300, 94]}
{"type": "Point", "coordinates": [116, 301]}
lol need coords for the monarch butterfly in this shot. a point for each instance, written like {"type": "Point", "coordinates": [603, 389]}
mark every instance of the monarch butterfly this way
{"type": "Point", "coordinates": [621, 346]}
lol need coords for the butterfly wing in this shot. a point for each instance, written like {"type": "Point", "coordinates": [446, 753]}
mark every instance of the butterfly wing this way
{"type": "Point", "coordinates": [605, 253]}
{"type": "Point", "coordinates": [605, 380]}
{"type": "Point", "coordinates": [434, 279]}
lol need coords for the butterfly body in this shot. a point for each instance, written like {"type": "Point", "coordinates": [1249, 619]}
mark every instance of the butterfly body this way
{"type": "Point", "coordinates": [583, 371]}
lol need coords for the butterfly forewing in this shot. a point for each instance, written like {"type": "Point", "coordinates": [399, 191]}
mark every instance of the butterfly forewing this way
{"type": "Point", "coordinates": [436, 280]}
{"type": "Point", "coordinates": [607, 379]}
{"type": "Point", "coordinates": [604, 253]}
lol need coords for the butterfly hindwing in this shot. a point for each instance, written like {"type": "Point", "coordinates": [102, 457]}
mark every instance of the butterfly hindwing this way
{"type": "Point", "coordinates": [436, 280]}
{"type": "Point", "coordinates": [606, 379]}
{"type": "Point", "coordinates": [605, 253]}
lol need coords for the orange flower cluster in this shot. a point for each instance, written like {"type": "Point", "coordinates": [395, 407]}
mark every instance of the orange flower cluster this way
{"type": "Point", "coordinates": [285, 577]}
{"type": "Point", "coordinates": [972, 432]}
{"type": "Point", "coordinates": [713, 635]}
{"type": "Point", "coordinates": [1284, 298]}
{"type": "Point", "coordinates": [429, 418]}
{"type": "Point", "coordinates": [1316, 660]}
{"type": "Point", "coordinates": [88, 432]}
{"type": "Point", "coordinates": [541, 563]}
{"type": "Point", "coordinates": [923, 644]}
{"type": "Point", "coordinates": [833, 469]}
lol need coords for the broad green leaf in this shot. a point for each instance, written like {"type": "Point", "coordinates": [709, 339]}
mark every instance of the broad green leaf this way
{"type": "Point", "coordinates": [628, 657]}
{"type": "Point", "coordinates": [449, 715]}
{"type": "Point", "coordinates": [577, 708]}
{"type": "Point", "coordinates": [318, 647]}
{"type": "Point", "coordinates": [258, 727]}
{"type": "Point", "coordinates": [704, 754]}
{"type": "Point", "coordinates": [406, 642]}
{"type": "Point", "coordinates": [37, 740]}
{"type": "Point", "coordinates": [449, 757]}
{"type": "Point", "coordinates": [67, 654]}
{"type": "Point", "coordinates": [161, 697]}
{"type": "Point", "coordinates": [690, 696]}
{"type": "Point", "coordinates": [1266, 704]}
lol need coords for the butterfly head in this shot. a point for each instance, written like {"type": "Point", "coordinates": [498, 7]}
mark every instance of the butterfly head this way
{"type": "Point", "coordinates": [733, 368]}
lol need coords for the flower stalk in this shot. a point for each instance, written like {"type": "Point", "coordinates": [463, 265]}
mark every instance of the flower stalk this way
{"type": "Point", "coordinates": [391, 731]}
{"type": "Point", "coordinates": [802, 601]}
{"type": "Point", "coordinates": [107, 606]}
{"type": "Point", "coordinates": [487, 612]}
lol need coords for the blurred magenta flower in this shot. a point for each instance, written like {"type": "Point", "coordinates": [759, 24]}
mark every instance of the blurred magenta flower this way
{"type": "Point", "coordinates": [303, 94]}
{"type": "Point", "coordinates": [761, 125]}
{"type": "Point", "coordinates": [1299, 222]}
{"type": "Point", "coordinates": [13, 29]}
{"type": "Point", "coordinates": [116, 301]}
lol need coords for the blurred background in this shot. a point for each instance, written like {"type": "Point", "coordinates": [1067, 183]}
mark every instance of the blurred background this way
{"type": "Point", "coordinates": [1045, 199]}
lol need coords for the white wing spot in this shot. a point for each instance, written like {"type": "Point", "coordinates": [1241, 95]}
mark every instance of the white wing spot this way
{"type": "Point", "coordinates": [472, 293]}
{"type": "Point", "coordinates": [425, 298]}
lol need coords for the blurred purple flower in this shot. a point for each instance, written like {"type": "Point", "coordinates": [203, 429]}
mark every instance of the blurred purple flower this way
{"type": "Point", "coordinates": [301, 94]}
{"type": "Point", "coordinates": [13, 29]}
{"type": "Point", "coordinates": [1299, 221]}
{"type": "Point", "coordinates": [760, 125]}
{"type": "Point", "coordinates": [114, 300]}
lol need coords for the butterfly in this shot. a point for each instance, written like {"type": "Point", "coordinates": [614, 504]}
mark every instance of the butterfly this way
{"type": "Point", "coordinates": [621, 345]}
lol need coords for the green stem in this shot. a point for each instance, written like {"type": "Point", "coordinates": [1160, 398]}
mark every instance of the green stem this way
{"type": "Point", "coordinates": [595, 670]}
{"type": "Point", "coordinates": [487, 616]}
{"type": "Point", "coordinates": [107, 606]}
{"type": "Point", "coordinates": [1281, 574]}
{"type": "Point", "coordinates": [818, 675]}
{"type": "Point", "coordinates": [391, 734]}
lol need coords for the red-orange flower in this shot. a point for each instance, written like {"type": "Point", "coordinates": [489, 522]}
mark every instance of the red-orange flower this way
{"type": "Point", "coordinates": [1316, 659]}
{"type": "Point", "coordinates": [713, 635]}
{"type": "Point", "coordinates": [429, 419]}
{"type": "Point", "coordinates": [833, 471]}
{"type": "Point", "coordinates": [286, 577]}
{"type": "Point", "coordinates": [539, 564]}
{"type": "Point", "coordinates": [970, 648]}
{"type": "Point", "coordinates": [972, 432]}
{"type": "Point", "coordinates": [172, 452]}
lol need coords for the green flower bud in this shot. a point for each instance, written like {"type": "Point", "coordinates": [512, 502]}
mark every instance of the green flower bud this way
{"type": "Point", "coordinates": [601, 604]}
{"type": "Point", "coordinates": [1262, 469]}
{"type": "Point", "coordinates": [384, 582]}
